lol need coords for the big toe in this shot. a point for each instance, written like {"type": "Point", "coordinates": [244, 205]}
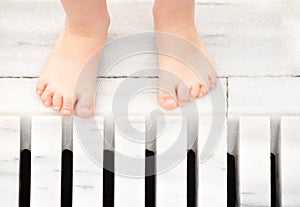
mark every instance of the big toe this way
{"type": "Point", "coordinates": [67, 106]}
{"type": "Point", "coordinates": [41, 86]}
{"type": "Point", "coordinates": [166, 101]}
{"type": "Point", "coordinates": [85, 106]}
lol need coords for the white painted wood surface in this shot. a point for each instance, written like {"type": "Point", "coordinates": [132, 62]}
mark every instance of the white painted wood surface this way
{"type": "Point", "coordinates": [171, 184]}
{"type": "Point", "coordinates": [87, 170]}
{"type": "Point", "coordinates": [254, 161]}
{"type": "Point", "coordinates": [289, 158]}
{"type": "Point", "coordinates": [46, 152]}
{"type": "Point", "coordinates": [212, 176]}
{"type": "Point", "coordinates": [9, 161]}
{"type": "Point", "coordinates": [263, 96]}
{"type": "Point", "coordinates": [130, 187]}
{"type": "Point", "coordinates": [21, 98]}
{"type": "Point", "coordinates": [257, 38]}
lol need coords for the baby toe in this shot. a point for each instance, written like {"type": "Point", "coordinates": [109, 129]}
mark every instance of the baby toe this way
{"type": "Point", "coordinates": [195, 90]}
{"type": "Point", "coordinates": [166, 100]}
{"type": "Point", "coordinates": [67, 106]}
{"type": "Point", "coordinates": [183, 94]}
{"type": "Point", "coordinates": [40, 87]}
{"type": "Point", "coordinates": [85, 106]}
{"type": "Point", "coordinates": [47, 96]}
{"type": "Point", "coordinates": [57, 101]}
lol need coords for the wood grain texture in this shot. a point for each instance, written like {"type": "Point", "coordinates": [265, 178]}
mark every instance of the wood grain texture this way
{"type": "Point", "coordinates": [245, 38]}
{"type": "Point", "coordinates": [213, 169]}
{"type": "Point", "coordinates": [9, 161]}
{"type": "Point", "coordinates": [46, 152]}
{"type": "Point", "coordinates": [288, 157]}
{"type": "Point", "coordinates": [254, 161]}
{"type": "Point", "coordinates": [87, 169]}
{"type": "Point", "coordinates": [20, 97]}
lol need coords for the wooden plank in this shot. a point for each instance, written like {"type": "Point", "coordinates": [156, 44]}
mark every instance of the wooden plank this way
{"type": "Point", "coordinates": [289, 158]}
{"type": "Point", "coordinates": [28, 102]}
{"type": "Point", "coordinates": [263, 102]}
{"type": "Point", "coordinates": [254, 161]}
{"type": "Point", "coordinates": [9, 161]}
{"type": "Point", "coordinates": [171, 166]}
{"type": "Point", "coordinates": [130, 173]}
{"type": "Point", "coordinates": [227, 27]}
{"type": "Point", "coordinates": [87, 169]}
{"type": "Point", "coordinates": [46, 152]}
{"type": "Point", "coordinates": [212, 182]}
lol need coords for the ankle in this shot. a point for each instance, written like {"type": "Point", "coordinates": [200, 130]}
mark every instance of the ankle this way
{"type": "Point", "coordinates": [173, 13]}
{"type": "Point", "coordinates": [90, 28]}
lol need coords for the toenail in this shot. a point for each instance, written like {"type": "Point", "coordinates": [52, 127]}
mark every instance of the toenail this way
{"type": "Point", "coordinates": [47, 103]}
{"type": "Point", "coordinates": [169, 101]}
{"type": "Point", "coordinates": [65, 111]}
{"type": "Point", "coordinates": [56, 108]}
{"type": "Point", "coordinates": [39, 92]}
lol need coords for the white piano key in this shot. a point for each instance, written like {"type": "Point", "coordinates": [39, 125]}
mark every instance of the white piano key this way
{"type": "Point", "coordinates": [46, 153]}
{"type": "Point", "coordinates": [130, 187]}
{"type": "Point", "coordinates": [212, 182]}
{"type": "Point", "coordinates": [254, 161]}
{"type": "Point", "coordinates": [289, 161]}
{"type": "Point", "coordinates": [87, 173]}
{"type": "Point", "coordinates": [172, 182]}
{"type": "Point", "coordinates": [9, 161]}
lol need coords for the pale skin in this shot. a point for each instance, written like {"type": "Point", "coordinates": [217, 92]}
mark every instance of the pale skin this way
{"type": "Point", "coordinates": [68, 80]}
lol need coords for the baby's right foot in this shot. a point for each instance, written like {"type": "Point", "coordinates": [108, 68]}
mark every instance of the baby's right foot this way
{"type": "Point", "coordinates": [60, 84]}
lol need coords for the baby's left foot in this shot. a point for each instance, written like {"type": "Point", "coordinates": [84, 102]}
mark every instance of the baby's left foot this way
{"type": "Point", "coordinates": [189, 83]}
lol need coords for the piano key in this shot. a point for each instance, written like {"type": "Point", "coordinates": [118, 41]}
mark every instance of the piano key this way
{"type": "Point", "coordinates": [171, 179]}
{"type": "Point", "coordinates": [108, 178]}
{"type": "Point", "coordinates": [150, 165]}
{"type": "Point", "coordinates": [130, 187]}
{"type": "Point", "coordinates": [150, 179]}
{"type": "Point", "coordinates": [67, 162]}
{"type": "Point", "coordinates": [9, 161]}
{"type": "Point", "coordinates": [213, 171]}
{"type": "Point", "coordinates": [66, 178]}
{"type": "Point", "coordinates": [25, 162]}
{"type": "Point", "coordinates": [231, 180]}
{"type": "Point", "coordinates": [87, 174]}
{"type": "Point", "coordinates": [25, 177]}
{"type": "Point", "coordinates": [108, 162]}
{"type": "Point", "coordinates": [46, 152]}
{"type": "Point", "coordinates": [289, 159]}
{"type": "Point", "coordinates": [191, 178]}
{"type": "Point", "coordinates": [254, 161]}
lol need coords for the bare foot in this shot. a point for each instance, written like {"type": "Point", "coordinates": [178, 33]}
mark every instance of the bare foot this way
{"type": "Point", "coordinates": [190, 83]}
{"type": "Point", "coordinates": [69, 75]}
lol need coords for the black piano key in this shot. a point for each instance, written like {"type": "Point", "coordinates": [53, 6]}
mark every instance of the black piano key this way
{"type": "Point", "coordinates": [108, 178]}
{"type": "Point", "coordinates": [231, 181]}
{"type": "Point", "coordinates": [66, 178]}
{"type": "Point", "coordinates": [150, 179]}
{"type": "Point", "coordinates": [273, 181]}
{"type": "Point", "coordinates": [25, 175]}
{"type": "Point", "coordinates": [191, 178]}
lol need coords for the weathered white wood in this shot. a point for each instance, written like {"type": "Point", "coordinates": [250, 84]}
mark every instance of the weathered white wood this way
{"type": "Point", "coordinates": [266, 33]}
{"type": "Point", "coordinates": [130, 185]}
{"type": "Point", "coordinates": [9, 161]}
{"type": "Point", "coordinates": [289, 158]}
{"type": "Point", "coordinates": [23, 90]}
{"type": "Point", "coordinates": [87, 170]}
{"type": "Point", "coordinates": [212, 180]}
{"type": "Point", "coordinates": [46, 152]}
{"type": "Point", "coordinates": [254, 161]}
{"type": "Point", "coordinates": [171, 179]}
{"type": "Point", "coordinates": [263, 96]}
